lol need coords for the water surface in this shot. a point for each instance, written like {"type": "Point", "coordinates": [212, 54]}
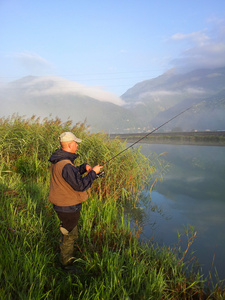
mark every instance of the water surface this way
{"type": "Point", "coordinates": [192, 192]}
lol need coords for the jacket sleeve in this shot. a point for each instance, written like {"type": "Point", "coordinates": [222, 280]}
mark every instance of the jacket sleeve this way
{"type": "Point", "coordinates": [72, 175]}
{"type": "Point", "coordinates": [82, 168]}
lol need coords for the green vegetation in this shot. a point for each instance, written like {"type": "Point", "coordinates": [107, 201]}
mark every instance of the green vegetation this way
{"type": "Point", "coordinates": [190, 138]}
{"type": "Point", "coordinates": [114, 264]}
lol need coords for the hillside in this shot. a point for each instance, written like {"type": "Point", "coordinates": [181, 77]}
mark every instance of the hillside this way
{"type": "Point", "coordinates": [141, 108]}
{"type": "Point", "coordinates": [44, 96]}
{"type": "Point", "coordinates": [156, 100]}
{"type": "Point", "coordinates": [206, 114]}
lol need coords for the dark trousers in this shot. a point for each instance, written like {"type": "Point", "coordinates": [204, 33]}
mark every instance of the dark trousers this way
{"type": "Point", "coordinates": [69, 220]}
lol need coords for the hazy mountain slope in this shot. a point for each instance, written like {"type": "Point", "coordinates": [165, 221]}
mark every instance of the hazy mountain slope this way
{"type": "Point", "coordinates": [45, 97]}
{"type": "Point", "coordinates": [148, 99]}
{"type": "Point", "coordinates": [207, 113]}
{"type": "Point", "coordinates": [170, 83]}
{"type": "Point", "coordinates": [145, 106]}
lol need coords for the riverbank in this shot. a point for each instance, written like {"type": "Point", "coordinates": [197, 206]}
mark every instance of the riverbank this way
{"type": "Point", "coordinates": [206, 138]}
{"type": "Point", "coordinates": [112, 262]}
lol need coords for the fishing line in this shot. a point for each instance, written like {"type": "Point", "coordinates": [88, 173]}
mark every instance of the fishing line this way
{"type": "Point", "coordinates": [148, 134]}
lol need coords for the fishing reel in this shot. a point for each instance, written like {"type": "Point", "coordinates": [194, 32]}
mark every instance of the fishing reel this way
{"type": "Point", "coordinates": [101, 174]}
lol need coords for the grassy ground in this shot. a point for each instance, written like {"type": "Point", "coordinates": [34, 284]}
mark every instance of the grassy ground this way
{"type": "Point", "coordinates": [114, 264]}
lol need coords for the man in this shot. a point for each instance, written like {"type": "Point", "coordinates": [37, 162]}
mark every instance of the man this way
{"type": "Point", "coordinates": [68, 191]}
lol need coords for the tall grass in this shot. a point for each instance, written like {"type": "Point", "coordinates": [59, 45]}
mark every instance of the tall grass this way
{"type": "Point", "coordinates": [114, 264]}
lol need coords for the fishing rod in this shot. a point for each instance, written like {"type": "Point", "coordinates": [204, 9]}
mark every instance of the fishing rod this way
{"type": "Point", "coordinates": [148, 134]}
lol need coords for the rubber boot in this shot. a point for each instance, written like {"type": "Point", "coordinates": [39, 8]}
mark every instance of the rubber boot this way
{"type": "Point", "coordinates": [67, 245]}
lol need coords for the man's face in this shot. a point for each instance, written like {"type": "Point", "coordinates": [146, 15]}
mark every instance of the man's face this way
{"type": "Point", "coordinates": [74, 147]}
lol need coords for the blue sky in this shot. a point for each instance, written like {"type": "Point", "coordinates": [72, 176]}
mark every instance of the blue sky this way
{"type": "Point", "coordinates": [109, 44]}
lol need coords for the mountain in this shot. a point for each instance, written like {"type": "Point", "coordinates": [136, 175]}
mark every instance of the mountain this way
{"type": "Point", "coordinates": [204, 114]}
{"type": "Point", "coordinates": [45, 96]}
{"type": "Point", "coordinates": [167, 88]}
{"type": "Point", "coordinates": [143, 107]}
{"type": "Point", "coordinates": [155, 101]}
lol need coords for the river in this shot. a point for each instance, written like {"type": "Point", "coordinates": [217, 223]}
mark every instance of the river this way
{"type": "Point", "coordinates": [192, 192]}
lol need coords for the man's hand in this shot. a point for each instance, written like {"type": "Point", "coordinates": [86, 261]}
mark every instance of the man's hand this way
{"type": "Point", "coordinates": [88, 168]}
{"type": "Point", "coordinates": [97, 169]}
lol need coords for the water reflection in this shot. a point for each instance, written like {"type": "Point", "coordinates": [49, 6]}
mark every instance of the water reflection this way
{"type": "Point", "coordinates": [192, 192]}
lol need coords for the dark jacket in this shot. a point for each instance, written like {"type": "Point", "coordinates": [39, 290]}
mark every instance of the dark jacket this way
{"type": "Point", "coordinates": [72, 174]}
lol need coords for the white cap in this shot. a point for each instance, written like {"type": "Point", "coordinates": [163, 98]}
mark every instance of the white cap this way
{"type": "Point", "coordinates": [68, 137]}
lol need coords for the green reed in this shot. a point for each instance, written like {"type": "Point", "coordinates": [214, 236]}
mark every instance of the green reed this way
{"type": "Point", "coordinates": [114, 264]}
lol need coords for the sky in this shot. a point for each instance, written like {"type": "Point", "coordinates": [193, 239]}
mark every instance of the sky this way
{"type": "Point", "coordinates": [110, 44]}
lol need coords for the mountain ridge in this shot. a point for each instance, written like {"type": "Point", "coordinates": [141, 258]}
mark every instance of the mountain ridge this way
{"type": "Point", "coordinates": [141, 108]}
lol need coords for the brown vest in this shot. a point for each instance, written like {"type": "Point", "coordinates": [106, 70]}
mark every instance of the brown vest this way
{"type": "Point", "coordinates": [61, 193]}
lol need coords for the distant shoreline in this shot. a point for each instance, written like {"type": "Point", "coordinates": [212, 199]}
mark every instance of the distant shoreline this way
{"type": "Point", "coordinates": [201, 138]}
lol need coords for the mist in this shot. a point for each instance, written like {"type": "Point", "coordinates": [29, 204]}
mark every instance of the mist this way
{"type": "Point", "coordinates": [53, 85]}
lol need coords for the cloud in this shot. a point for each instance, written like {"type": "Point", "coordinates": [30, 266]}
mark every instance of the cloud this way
{"type": "Point", "coordinates": [51, 85]}
{"type": "Point", "coordinates": [32, 61]}
{"type": "Point", "coordinates": [198, 37]}
{"type": "Point", "coordinates": [162, 95]}
{"type": "Point", "coordinates": [206, 48]}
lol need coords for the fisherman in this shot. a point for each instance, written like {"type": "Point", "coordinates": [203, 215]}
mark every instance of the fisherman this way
{"type": "Point", "coordinates": [68, 191]}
